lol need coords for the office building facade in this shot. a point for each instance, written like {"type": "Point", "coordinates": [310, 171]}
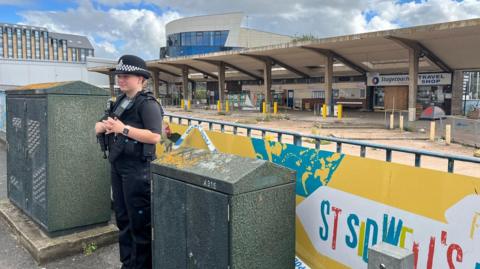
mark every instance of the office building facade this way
{"type": "Point", "coordinates": [212, 33]}
{"type": "Point", "coordinates": [23, 42]}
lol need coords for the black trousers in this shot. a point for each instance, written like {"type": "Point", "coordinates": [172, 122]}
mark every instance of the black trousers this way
{"type": "Point", "coordinates": [131, 200]}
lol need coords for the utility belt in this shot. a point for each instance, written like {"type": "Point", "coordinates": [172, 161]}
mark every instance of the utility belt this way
{"type": "Point", "coordinates": [122, 145]}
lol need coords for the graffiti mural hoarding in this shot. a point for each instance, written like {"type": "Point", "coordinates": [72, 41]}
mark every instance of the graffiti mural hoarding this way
{"type": "Point", "coordinates": [346, 204]}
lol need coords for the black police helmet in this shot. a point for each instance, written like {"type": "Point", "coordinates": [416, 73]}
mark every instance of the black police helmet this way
{"type": "Point", "coordinates": [131, 64]}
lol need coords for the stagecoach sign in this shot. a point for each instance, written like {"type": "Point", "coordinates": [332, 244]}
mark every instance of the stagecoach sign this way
{"type": "Point", "coordinates": [375, 79]}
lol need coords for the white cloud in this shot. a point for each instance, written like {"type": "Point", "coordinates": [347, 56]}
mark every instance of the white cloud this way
{"type": "Point", "coordinates": [113, 32]}
{"type": "Point", "coordinates": [142, 31]}
{"type": "Point", "coordinates": [432, 11]}
{"type": "Point", "coordinates": [107, 47]}
{"type": "Point", "coordinates": [118, 2]}
{"type": "Point", "coordinates": [330, 18]}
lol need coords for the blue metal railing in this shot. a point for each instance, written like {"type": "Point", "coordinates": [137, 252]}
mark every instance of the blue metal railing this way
{"type": "Point", "coordinates": [297, 140]}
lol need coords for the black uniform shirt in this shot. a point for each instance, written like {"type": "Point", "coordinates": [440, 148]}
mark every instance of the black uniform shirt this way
{"type": "Point", "coordinates": [151, 115]}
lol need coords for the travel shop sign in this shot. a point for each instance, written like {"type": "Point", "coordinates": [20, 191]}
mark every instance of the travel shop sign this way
{"type": "Point", "coordinates": [375, 79]}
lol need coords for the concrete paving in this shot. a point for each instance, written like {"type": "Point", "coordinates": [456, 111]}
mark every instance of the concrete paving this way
{"type": "Point", "coordinates": [352, 119]}
{"type": "Point", "coordinates": [44, 248]}
{"type": "Point", "coordinates": [14, 256]}
{"type": "Point", "coordinates": [463, 131]}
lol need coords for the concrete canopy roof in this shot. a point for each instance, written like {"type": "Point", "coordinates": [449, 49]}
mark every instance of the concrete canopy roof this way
{"type": "Point", "coordinates": [444, 47]}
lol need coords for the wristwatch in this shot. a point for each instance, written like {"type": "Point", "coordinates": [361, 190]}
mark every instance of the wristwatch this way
{"type": "Point", "coordinates": [125, 130]}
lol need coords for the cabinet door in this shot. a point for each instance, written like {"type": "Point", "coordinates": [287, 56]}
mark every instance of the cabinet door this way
{"type": "Point", "coordinates": [207, 229]}
{"type": "Point", "coordinates": [36, 147]}
{"type": "Point", "coordinates": [190, 226]}
{"type": "Point", "coordinates": [16, 165]}
{"type": "Point", "coordinates": [168, 217]}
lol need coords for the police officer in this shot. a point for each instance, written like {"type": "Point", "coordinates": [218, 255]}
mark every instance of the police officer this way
{"type": "Point", "coordinates": [132, 129]}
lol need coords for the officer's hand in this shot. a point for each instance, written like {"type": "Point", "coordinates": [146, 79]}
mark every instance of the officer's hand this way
{"type": "Point", "coordinates": [100, 128]}
{"type": "Point", "coordinates": [113, 125]}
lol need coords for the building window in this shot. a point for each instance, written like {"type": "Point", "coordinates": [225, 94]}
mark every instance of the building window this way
{"type": "Point", "coordinates": [89, 53]}
{"type": "Point", "coordinates": [28, 39]}
{"type": "Point", "coordinates": [177, 40]}
{"type": "Point", "coordinates": [187, 39]}
{"type": "Point", "coordinates": [64, 47]}
{"type": "Point", "coordinates": [10, 42]}
{"type": "Point", "coordinates": [188, 43]}
{"type": "Point", "coordinates": [36, 36]}
{"type": "Point", "coordinates": [182, 39]}
{"type": "Point", "coordinates": [83, 56]}
{"type": "Point", "coordinates": [74, 54]}
{"type": "Point", "coordinates": [318, 94]}
{"type": "Point", "coordinates": [336, 93]}
{"type": "Point", "coordinates": [199, 39]}
{"type": "Point", "coordinates": [473, 86]}
{"type": "Point", "coordinates": [193, 38]}
{"type": "Point", "coordinates": [206, 38]}
{"type": "Point", "coordinates": [1, 42]}
{"type": "Point", "coordinates": [45, 45]}
{"type": "Point", "coordinates": [55, 49]}
{"type": "Point", "coordinates": [19, 43]}
{"type": "Point", "coordinates": [217, 39]}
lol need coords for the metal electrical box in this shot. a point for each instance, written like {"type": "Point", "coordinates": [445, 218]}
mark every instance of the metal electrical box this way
{"type": "Point", "coordinates": [55, 171]}
{"type": "Point", "coordinates": [387, 256]}
{"type": "Point", "coordinates": [212, 210]}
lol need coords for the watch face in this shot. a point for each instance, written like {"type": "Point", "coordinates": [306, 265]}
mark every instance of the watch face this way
{"type": "Point", "coordinates": [125, 131]}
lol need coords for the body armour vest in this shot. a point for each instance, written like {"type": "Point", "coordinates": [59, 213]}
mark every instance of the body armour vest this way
{"type": "Point", "coordinates": [124, 146]}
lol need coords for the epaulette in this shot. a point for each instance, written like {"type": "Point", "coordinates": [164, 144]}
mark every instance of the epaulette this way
{"type": "Point", "coordinates": [148, 96]}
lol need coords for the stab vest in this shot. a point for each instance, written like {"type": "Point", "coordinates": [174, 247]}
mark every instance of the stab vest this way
{"type": "Point", "coordinates": [127, 146]}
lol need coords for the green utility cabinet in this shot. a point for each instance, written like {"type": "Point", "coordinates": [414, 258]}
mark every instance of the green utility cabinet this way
{"type": "Point", "coordinates": [213, 210]}
{"type": "Point", "coordinates": [55, 171]}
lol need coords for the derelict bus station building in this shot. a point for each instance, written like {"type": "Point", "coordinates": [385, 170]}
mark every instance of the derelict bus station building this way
{"type": "Point", "coordinates": [369, 71]}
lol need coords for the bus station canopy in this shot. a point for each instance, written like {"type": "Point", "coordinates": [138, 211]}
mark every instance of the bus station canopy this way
{"type": "Point", "coordinates": [442, 47]}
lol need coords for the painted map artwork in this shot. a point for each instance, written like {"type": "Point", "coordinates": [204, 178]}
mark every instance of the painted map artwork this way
{"type": "Point", "coordinates": [314, 167]}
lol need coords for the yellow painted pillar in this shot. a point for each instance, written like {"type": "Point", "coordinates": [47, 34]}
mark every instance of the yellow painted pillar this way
{"type": "Point", "coordinates": [324, 111]}
{"type": "Point", "coordinates": [189, 104]}
{"type": "Point", "coordinates": [227, 107]}
{"type": "Point", "coordinates": [401, 122]}
{"type": "Point", "coordinates": [275, 108]}
{"type": "Point", "coordinates": [182, 103]}
{"type": "Point", "coordinates": [432, 131]}
{"type": "Point", "coordinates": [339, 111]}
{"type": "Point", "coordinates": [264, 105]}
{"type": "Point", "coordinates": [448, 134]}
{"type": "Point", "coordinates": [219, 106]}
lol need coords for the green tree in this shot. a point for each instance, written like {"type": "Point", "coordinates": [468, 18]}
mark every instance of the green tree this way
{"type": "Point", "coordinates": [304, 37]}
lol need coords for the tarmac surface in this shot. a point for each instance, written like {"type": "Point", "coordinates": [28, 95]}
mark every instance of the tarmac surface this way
{"type": "Point", "coordinates": [14, 256]}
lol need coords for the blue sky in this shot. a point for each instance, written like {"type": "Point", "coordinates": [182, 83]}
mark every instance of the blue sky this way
{"type": "Point", "coordinates": [10, 13]}
{"type": "Point", "coordinates": [121, 26]}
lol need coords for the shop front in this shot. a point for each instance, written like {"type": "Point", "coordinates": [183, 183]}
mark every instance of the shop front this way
{"type": "Point", "coordinates": [390, 92]}
{"type": "Point", "coordinates": [308, 96]}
